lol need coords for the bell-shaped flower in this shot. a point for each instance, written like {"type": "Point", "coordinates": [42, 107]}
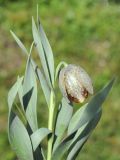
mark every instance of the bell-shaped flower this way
{"type": "Point", "coordinates": [75, 84]}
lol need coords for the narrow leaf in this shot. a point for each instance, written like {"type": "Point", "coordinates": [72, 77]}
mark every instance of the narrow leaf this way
{"type": "Point", "coordinates": [76, 119]}
{"type": "Point", "coordinates": [87, 115]}
{"type": "Point", "coordinates": [75, 151]}
{"type": "Point", "coordinates": [64, 64]}
{"type": "Point", "coordinates": [13, 92]}
{"type": "Point", "coordinates": [62, 147]}
{"type": "Point", "coordinates": [44, 85]}
{"type": "Point", "coordinates": [20, 44]}
{"type": "Point", "coordinates": [20, 93]}
{"type": "Point", "coordinates": [11, 98]}
{"type": "Point", "coordinates": [82, 136]}
{"type": "Point", "coordinates": [48, 51]}
{"type": "Point", "coordinates": [20, 140]}
{"type": "Point", "coordinates": [38, 154]}
{"type": "Point", "coordinates": [38, 136]}
{"type": "Point", "coordinates": [41, 52]}
{"type": "Point", "coordinates": [90, 109]}
{"type": "Point", "coordinates": [64, 116]}
{"type": "Point", "coordinates": [30, 95]}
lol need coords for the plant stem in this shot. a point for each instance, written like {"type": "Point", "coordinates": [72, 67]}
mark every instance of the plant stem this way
{"type": "Point", "coordinates": [50, 125]}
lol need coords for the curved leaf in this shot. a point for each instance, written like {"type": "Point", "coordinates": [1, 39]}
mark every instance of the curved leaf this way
{"type": "Point", "coordinates": [68, 142]}
{"type": "Point", "coordinates": [73, 154]}
{"type": "Point", "coordinates": [30, 95]}
{"type": "Point", "coordinates": [38, 136]}
{"type": "Point", "coordinates": [59, 68]}
{"type": "Point", "coordinates": [90, 109]}
{"type": "Point", "coordinates": [62, 147]}
{"type": "Point", "coordinates": [44, 85]}
{"type": "Point", "coordinates": [48, 51]}
{"type": "Point", "coordinates": [64, 115]}
{"type": "Point", "coordinates": [11, 97]}
{"type": "Point", "coordinates": [82, 136]}
{"type": "Point", "coordinates": [76, 119]}
{"type": "Point", "coordinates": [63, 118]}
{"type": "Point", "coordinates": [89, 113]}
{"type": "Point", "coordinates": [13, 92]}
{"type": "Point", "coordinates": [20, 94]}
{"type": "Point", "coordinates": [20, 44]}
{"type": "Point", "coordinates": [41, 52]}
{"type": "Point", "coordinates": [20, 140]}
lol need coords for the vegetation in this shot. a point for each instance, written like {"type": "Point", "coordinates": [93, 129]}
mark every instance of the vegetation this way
{"type": "Point", "coordinates": [82, 32]}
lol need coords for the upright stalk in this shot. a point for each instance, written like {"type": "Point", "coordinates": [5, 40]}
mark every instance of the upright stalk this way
{"type": "Point", "coordinates": [50, 125]}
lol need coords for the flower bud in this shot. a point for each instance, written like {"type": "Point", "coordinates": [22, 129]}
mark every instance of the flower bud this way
{"type": "Point", "coordinates": [75, 84]}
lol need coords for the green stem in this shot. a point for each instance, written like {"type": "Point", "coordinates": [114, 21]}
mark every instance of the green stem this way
{"type": "Point", "coordinates": [50, 125]}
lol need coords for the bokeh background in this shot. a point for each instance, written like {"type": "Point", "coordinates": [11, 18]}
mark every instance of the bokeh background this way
{"type": "Point", "coordinates": [84, 32]}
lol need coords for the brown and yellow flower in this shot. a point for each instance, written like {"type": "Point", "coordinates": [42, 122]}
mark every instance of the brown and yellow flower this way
{"type": "Point", "coordinates": [75, 84]}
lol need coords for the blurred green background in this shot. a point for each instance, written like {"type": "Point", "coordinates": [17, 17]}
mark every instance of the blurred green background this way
{"type": "Point", "coordinates": [84, 32]}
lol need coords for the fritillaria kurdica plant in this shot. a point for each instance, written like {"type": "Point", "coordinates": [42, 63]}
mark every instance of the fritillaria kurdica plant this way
{"type": "Point", "coordinates": [66, 132]}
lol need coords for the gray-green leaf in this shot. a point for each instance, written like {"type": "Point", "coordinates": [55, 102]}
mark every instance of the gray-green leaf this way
{"type": "Point", "coordinates": [76, 119]}
{"type": "Point", "coordinates": [87, 113]}
{"type": "Point", "coordinates": [48, 51]}
{"type": "Point", "coordinates": [44, 85]}
{"type": "Point", "coordinates": [38, 136]}
{"type": "Point", "coordinates": [81, 137]}
{"type": "Point", "coordinates": [13, 92]}
{"type": "Point", "coordinates": [64, 64]}
{"type": "Point", "coordinates": [41, 52]}
{"type": "Point", "coordinates": [30, 95]}
{"type": "Point", "coordinates": [64, 116]}
{"type": "Point", "coordinates": [20, 44]}
{"type": "Point", "coordinates": [20, 140]}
